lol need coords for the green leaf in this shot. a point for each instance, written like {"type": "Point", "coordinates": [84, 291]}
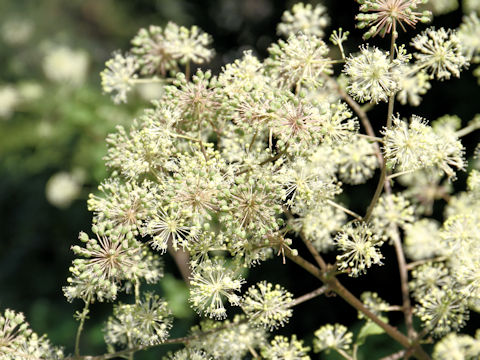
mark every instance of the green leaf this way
{"type": "Point", "coordinates": [370, 328]}
{"type": "Point", "coordinates": [176, 294]}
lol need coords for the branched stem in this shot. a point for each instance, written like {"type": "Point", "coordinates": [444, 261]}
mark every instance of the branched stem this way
{"type": "Point", "coordinates": [340, 290]}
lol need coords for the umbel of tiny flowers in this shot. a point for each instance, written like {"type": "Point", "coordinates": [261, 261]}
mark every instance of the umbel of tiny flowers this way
{"type": "Point", "coordinates": [442, 311]}
{"type": "Point", "coordinates": [19, 342]}
{"type": "Point", "coordinates": [267, 306]}
{"type": "Point", "coordinates": [359, 245]}
{"type": "Point", "coordinates": [304, 18]}
{"type": "Point", "coordinates": [383, 16]}
{"type": "Point", "coordinates": [283, 348]}
{"type": "Point", "coordinates": [457, 346]}
{"type": "Point", "coordinates": [188, 354]}
{"type": "Point", "coordinates": [236, 339]}
{"type": "Point", "coordinates": [119, 76]}
{"type": "Point", "coordinates": [440, 52]}
{"type": "Point", "coordinates": [146, 322]}
{"type": "Point", "coordinates": [417, 145]}
{"type": "Point", "coordinates": [211, 281]}
{"type": "Point", "coordinates": [332, 337]}
{"type": "Point", "coordinates": [372, 76]}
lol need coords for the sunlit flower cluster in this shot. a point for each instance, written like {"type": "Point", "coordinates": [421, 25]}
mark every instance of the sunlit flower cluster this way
{"type": "Point", "coordinates": [304, 18]}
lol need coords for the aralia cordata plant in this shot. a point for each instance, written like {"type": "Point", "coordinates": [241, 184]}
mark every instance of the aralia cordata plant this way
{"type": "Point", "coordinates": [226, 171]}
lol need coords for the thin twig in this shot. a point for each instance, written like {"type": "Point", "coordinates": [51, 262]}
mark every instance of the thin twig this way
{"type": "Point", "coordinates": [414, 264]}
{"type": "Point", "coordinates": [393, 176]}
{"type": "Point", "coordinates": [344, 209]}
{"type": "Point", "coordinates": [321, 290]}
{"type": "Point", "coordinates": [343, 354]}
{"type": "Point", "coordinates": [468, 129]}
{"type": "Point", "coordinates": [82, 316]}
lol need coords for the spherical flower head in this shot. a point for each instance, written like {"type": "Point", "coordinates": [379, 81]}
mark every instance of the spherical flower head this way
{"type": "Point", "coordinates": [318, 224]}
{"type": "Point", "coordinates": [170, 226]}
{"type": "Point", "coordinates": [153, 320]}
{"type": "Point", "coordinates": [281, 348]}
{"type": "Point", "coordinates": [146, 322]}
{"type": "Point", "coordinates": [254, 206]}
{"type": "Point", "coordinates": [304, 18]}
{"type": "Point", "coordinates": [151, 48]}
{"type": "Point", "coordinates": [123, 205]}
{"type": "Point", "coordinates": [409, 146]}
{"type": "Point", "coordinates": [212, 281]}
{"type": "Point", "coordinates": [19, 342]}
{"type": "Point", "coordinates": [469, 35]}
{"type": "Point", "coordinates": [243, 75]}
{"type": "Point", "coordinates": [412, 84]}
{"type": "Point", "coordinates": [267, 305]}
{"type": "Point", "coordinates": [374, 303]}
{"type": "Point", "coordinates": [109, 256]}
{"type": "Point", "coordinates": [392, 210]}
{"type": "Point", "coordinates": [66, 66]}
{"type": "Point", "coordinates": [298, 122]}
{"type": "Point", "coordinates": [429, 276]}
{"type": "Point", "coordinates": [383, 16]}
{"type": "Point", "coordinates": [359, 246]}
{"type": "Point", "coordinates": [357, 161]}
{"type": "Point", "coordinates": [119, 76]}
{"type": "Point", "coordinates": [442, 310]}
{"type": "Point", "coordinates": [332, 337]}
{"type": "Point", "coordinates": [233, 342]}
{"type": "Point", "coordinates": [189, 354]}
{"type": "Point", "coordinates": [440, 52]}
{"type": "Point", "coordinates": [301, 60]}
{"type": "Point", "coordinates": [188, 45]}
{"type": "Point", "coordinates": [457, 347]}
{"type": "Point", "coordinates": [373, 77]}
{"type": "Point", "coordinates": [421, 240]}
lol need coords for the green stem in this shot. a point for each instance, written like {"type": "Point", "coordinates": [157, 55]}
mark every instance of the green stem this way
{"type": "Point", "coordinates": [343, 354]}
{"type": "Point", "coordinates": [82, 318]}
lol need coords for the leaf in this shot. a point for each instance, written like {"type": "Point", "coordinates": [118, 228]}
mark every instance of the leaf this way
{"type": "Point", "coordinates": [370, 328]}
